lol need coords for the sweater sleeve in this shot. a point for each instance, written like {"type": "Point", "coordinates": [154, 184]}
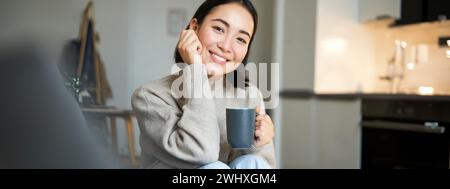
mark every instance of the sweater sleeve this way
{"type": "Point", "coordinates": [183, 139]}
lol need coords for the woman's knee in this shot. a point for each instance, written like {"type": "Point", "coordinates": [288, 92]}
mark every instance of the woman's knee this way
{"type": "Point", "coordinates": [249, 161]}
{"type": "Point", "coordinates": [215, 165]}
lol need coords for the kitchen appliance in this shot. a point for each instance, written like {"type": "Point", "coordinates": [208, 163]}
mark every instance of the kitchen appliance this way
{"type": "Point", "coordinates": [403, 131]}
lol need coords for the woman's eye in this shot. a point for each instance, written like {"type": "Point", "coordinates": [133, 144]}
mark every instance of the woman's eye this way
{"type": "Point", "coordinates": [219, 29]}
{"type": "Point", "coordinates": [242, 40]}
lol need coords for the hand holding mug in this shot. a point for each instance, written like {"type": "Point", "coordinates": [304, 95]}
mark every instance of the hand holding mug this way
{"type": "Point", "coordinates": [264, 129]}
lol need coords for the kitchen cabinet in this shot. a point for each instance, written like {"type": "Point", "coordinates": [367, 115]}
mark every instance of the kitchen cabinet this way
{"type": "Point", "coordinates": [373, 9]}
{"type": "Point", "coordinates": [296, 139]}
{"type": "Point", "coordinates": [437, 9]}
{"type": "Point", "coordinates": [417, 11]}
{"type": "Point", "coordinates": [337, 134]}
{"type": "Point", "coordinates": [405, 131]}
{"type": "Point", "coordinates": [320, 133]}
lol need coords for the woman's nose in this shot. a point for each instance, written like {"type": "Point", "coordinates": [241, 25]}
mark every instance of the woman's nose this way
{"type": "Point", "coordinates": [225, 45]}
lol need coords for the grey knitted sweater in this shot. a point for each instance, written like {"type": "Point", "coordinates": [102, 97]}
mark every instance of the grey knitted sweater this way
{"type": "Point", "coordinates": [188, 132]}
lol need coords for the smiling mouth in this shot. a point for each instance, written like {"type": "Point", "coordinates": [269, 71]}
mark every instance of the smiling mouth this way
{"type": "Point", "coordinates": [218, 59]}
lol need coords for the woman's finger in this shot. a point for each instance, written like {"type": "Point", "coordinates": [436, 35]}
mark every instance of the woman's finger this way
{"type": "Point", "coordinates": [260, 110]}
{"type": "Point", "coordinates": [263, 125]}
{"type": "Point", "coordinates": [186, 37]}
{"type": "Point", "coordinates": [260, 117]}
{"type": "Point", "coordinates": [190, 38]}
{"type": "Point", "coordinates": [258, 133]}
{"type": "Point", "coordinates": [194, 41]}
{"type": "Point", "coordinates": [182, 37]}
{"type": "Point", "coordinates": [187, 41]}
{"type": "Point", "coordinates": [194, 46]}
{"type": "Point", "coordinates": [191, 46]}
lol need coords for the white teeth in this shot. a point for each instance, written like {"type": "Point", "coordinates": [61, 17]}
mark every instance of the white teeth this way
{"type": "Point", "coordinates": [219, 58]}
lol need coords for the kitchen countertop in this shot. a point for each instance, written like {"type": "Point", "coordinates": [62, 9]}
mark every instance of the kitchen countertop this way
{"type": "Point", "coordinates": [306, 94]}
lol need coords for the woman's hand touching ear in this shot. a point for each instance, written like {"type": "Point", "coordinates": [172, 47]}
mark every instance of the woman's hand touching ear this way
{"type": "Point", "coordinates": [189, 47]}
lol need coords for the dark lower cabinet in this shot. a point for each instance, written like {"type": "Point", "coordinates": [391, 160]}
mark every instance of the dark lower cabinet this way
{"type": "Point", "coordinates": [417, 11]}
{"type": "Point", "coordinates": [391, 149]}
{"type": "Point", "coordinates": [405, 132]}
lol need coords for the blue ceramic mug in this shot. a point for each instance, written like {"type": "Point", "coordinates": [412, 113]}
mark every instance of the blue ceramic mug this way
{"type": "Point", "coordinates": [240, 127]}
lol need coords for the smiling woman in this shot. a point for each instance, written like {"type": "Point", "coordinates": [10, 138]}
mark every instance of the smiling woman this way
{"type": "Point", "coordinates": [190, 132]}
{"type": "Point", "coordinates": [221, 32]}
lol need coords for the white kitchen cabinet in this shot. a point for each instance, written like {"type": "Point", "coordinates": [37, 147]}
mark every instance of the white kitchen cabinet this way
{"type": "Point", "coordinates": [320, 133]}
{"type": "Point", "coordinates": [372, 9]}
{"type": "Point", "coordinates": [337, 133]}
{"type": "Point", "coordinates": [296, 138]}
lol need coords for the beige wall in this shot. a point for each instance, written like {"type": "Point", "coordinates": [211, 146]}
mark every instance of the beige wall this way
{"type": "Point", "coordinates": [351, 56]}
{"type": "Point", "coordinates": [261, 51]}
{"type": "Point", "coordinates": [299, 35]}
{"type": "Point", "coordinates": [371, 9]}
{"type": "Point", "coordinates": [432, 72]}
{"type": "Point", "coordinates": [344, 56]}
{"type": "Point", "coordinates": [50, 24]}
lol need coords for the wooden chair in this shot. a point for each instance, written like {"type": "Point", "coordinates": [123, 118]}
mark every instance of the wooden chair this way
{"type": "Point", "coordinates": [113, 113]}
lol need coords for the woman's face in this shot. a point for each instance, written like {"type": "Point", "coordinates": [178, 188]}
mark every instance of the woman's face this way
{"type": "Point", "coordinates": [225, 35]}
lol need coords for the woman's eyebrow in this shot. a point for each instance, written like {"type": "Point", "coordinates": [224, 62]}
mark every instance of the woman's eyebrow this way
{"type": "Point", "coordinates": [228, 25]}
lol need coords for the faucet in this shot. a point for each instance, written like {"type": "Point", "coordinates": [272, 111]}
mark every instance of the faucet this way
{"type": "Point", "coordinates": [396, 67]}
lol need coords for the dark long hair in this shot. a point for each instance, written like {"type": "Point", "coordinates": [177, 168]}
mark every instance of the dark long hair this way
{"type": "Point", "coordinates": [206, 8]}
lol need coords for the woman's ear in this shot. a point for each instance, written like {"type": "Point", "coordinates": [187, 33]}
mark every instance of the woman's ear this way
{"type": "Point", "coordinates": [193, 25]}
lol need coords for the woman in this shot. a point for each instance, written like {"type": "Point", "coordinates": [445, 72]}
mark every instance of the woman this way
{"type": "Point", "coordinates": [190, 132]}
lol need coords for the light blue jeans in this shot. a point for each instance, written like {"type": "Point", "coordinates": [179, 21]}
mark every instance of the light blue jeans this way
{"type": "Point", "coordinates": [242, 162]}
